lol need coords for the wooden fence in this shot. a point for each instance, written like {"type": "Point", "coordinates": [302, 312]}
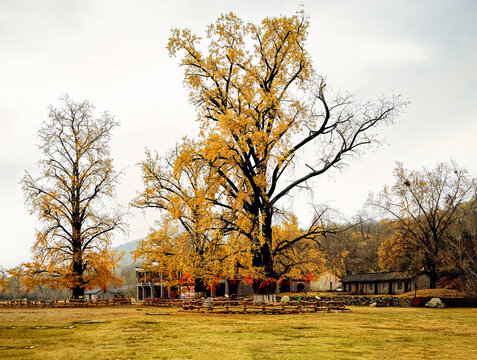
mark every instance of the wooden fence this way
{"type": "Point", "coordinates": [66, 303]}
{"type": "Point", "coordinates": [164, 302]}
{"type": "Point", "coordinates": [247, 306]}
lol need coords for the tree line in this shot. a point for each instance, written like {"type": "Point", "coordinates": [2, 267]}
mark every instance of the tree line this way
{"type": "Point", "coordinates": [223, 197]}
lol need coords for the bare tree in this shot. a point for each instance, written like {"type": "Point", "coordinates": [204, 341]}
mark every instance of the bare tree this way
{"type": "Point", "coordinates": [426, 204]}
{"type": "Point", "coordinates": [460, 253]}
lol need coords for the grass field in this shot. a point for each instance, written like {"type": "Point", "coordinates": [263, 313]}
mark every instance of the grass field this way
{"type": "Point", "coordinates": [128, 333]}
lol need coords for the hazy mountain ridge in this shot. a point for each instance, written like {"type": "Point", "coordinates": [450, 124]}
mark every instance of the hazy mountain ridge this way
{"type": "Point", "coordinates": [128, 248]}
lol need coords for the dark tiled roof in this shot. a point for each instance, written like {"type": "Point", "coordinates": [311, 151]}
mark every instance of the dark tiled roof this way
{"type": "Point", "coordinates": [92, 292]}
{"type": "Point", "coordinates": [123, 288]}
{"type": "Point", "coordinates": [384, 276]}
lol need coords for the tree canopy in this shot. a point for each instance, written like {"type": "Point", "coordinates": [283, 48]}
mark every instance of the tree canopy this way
{"type": "Point", "coordinates": [76, 178]}
{"type": "Point", "coordinates": [189, 238]}
{"type": "Point", "coordinates": [260, 105]}
{"type": "Point", "coordinates": [425, 206]}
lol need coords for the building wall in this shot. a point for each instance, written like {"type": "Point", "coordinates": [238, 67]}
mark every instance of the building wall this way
{"type": "Point", "coordinates": [324, 281]}
{"type": "Point", "coordinates": [365, 288]}
{"type": "Point", "coordinates": [398, 286]}
{"type": "Point", "coordinates": [369, 287]}
{"type": "Point", "coordinates": [148, 290]}
{"type": "Point", "coordinates": [144, 291]}
{"type": "Point", "coordinates": [244, 289]}
{"type": "Point", "coordinates": [105, 295]}
{"type": "Point", "coordinates": [91, 296]}
{"type": "Point", "coordinates": [299, 286]}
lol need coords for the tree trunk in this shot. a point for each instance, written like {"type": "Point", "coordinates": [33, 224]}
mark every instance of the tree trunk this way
{"type": "Point", "coordinates": [200, 289]}
{"type": "Point", "coordinates": [264, 290]}
{"type": "Point", "coordinates": [78, 292]}
{"type": "Point", "coordinates": [433, 278]}
{"type": "Point", "coordinates": [262, 256]}
{"type": "Point", "coordinates": [432, 265]}
{"type": "Point", "coordinates": [78, 280]}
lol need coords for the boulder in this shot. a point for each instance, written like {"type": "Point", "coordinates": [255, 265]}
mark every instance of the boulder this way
{"type": "Point", "coordinates": [285, 299]}
{"type": "Point", "coordinates": [435, 303]}
{"type": "Point", "coordinates": [207, 302]}
{"type": "Point", "coordinates": [372, 304]}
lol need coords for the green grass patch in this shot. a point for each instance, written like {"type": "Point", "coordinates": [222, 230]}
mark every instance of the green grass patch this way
{"type": "Point", "coordinates": [124, 333]}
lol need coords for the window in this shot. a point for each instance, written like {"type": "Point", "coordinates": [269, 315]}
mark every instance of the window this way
{"type": "Point", "coordinates": [371, 286]}
{"type": "Point", "coordinates": [399, 285]}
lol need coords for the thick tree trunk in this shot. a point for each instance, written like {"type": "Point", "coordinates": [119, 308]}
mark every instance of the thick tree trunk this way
{"type": "Point", "coordinates": [264, 290]}
{"type": "Point", "coordinates": [262, 255]}
{"type": "Point", "coordinates": [78, 280]}
{"type": "Point", "coordinates": [200, 289]}
{"type": "Point", "coordinates": [78, 292]}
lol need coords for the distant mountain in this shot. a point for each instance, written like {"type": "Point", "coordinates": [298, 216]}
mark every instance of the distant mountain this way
{"type": "Point", "coordinates": [127, 247]}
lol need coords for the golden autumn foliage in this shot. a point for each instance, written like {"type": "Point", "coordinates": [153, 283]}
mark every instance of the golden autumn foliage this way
{"type": "Point", "coordinates": [260, 104]}
{"type": "Point", "coordinates": [188, 239]}
{"type": "Point", "coordinates": [3, 279]}
{"type": "Point", "coordinates": [72, 250]}
{"type": "Point", "coordinates": [396, 253]}
{"type": "Point", "coordinates": [301, 259]}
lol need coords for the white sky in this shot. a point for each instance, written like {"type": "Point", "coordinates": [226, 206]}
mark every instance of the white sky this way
{"type": "Point", "coordinates": [113, 53]}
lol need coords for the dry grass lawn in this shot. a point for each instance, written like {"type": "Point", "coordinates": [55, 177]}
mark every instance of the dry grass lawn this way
{"type": "Point", "coordinates": [128, 333]}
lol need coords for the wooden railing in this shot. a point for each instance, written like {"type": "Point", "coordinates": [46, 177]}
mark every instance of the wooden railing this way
{"type": "Point", "coordinates": [163, 302]}
{"type": "Point", "coordinates": [246, 305]}
{"type": "Point", "coordinates": [66, 303]}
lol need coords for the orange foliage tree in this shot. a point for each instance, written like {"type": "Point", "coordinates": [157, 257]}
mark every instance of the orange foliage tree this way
{"type": "Point", "coordinates": [188, 239]}
{"type": "Point", "coordinates": [260, 104]}
{"type": "Point", "coordinates": [3, 279]}
{"type": "Point", "coordinates": [72, 250]}
{"type": "Point", "coordinates": [396, 253]}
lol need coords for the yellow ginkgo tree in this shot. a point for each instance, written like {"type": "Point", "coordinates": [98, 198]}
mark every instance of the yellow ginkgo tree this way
{"type": "Point", "coordinates": [72, 250]}
{"type": "Point", "coordinates": [3, 279]}
{"type": "Point", "coordinates": [190, 241]}
{"type": "Point", "coordinates": [262, 109]}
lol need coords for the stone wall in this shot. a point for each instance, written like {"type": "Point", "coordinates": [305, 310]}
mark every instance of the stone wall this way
{"type": "Point", "coordinates": [364, 300]}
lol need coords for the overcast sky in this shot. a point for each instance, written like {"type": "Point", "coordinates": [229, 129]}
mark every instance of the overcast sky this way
{"type": "Point", "coordinates": [113, 54]}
